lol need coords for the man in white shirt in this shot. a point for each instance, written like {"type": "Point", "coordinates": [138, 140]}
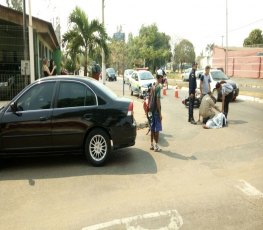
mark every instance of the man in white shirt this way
{"type": "Point", "coordinates": [205, 81]}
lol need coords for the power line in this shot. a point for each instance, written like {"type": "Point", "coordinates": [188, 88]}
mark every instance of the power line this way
{"type": "Point", "coordinates": [241, 27]}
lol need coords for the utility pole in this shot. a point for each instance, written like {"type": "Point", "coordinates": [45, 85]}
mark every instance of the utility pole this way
{"type": "Point", "coordinates": [24, 30]}
{"type": "Point", "coordinates": [103, 72]}
{"type": "Point", "coordinates": [25, 63]}
{"type": "Point", "coordinates": [226, 54]}
{"type": "Point", "coordinates": [31, 45]}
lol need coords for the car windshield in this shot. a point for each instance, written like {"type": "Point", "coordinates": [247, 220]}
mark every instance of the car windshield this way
{"type": "Point", "coordinates": [218, 75]}
{"type": "Point", "coordinates": [146, 75]}
{"type": "Point", "coordinates": [110, 70]}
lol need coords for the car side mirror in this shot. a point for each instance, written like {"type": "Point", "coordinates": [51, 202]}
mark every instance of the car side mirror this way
{"type": "Point", "coordinates": [13, 107]}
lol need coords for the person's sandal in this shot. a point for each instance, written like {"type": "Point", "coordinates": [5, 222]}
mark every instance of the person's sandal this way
{"type": "Point", "coordinates": [157, 148]}
{"type": "Point", "coordinates": [152, 147]}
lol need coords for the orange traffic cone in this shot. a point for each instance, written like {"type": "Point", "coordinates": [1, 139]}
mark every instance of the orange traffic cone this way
{"type": "Point", "coordinates": [176, 92]}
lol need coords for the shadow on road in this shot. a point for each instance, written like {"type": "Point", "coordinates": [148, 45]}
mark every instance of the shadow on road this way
{"type": "Point", "coordinates": [178, 156]}
{"type": "Point", "coordinates": [236, 122]}
{"type": "Point", "coordinates": [122, 162]}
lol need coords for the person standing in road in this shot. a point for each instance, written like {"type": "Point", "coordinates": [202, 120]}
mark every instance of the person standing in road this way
{"type": "Point", "coordinates": [205, 81]}
{"type": "Point", "coordinates": [155, 103]}
{"type": "Point", "coordinates": [205, 87]}
{"type": "Point", "coordinates": [227, 95]}
{"type": "Point", "coordinates": [192, 88]}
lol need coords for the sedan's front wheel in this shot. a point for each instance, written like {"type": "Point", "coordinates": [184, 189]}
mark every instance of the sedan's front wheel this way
{"type": "Point", "coordinates": [97, 147]}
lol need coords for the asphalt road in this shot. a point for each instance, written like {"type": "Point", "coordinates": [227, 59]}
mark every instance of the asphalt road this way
{"type": "Point", "coordinates": [203, 179]}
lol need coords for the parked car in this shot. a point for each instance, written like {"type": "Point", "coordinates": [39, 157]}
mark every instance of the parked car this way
{"type": "Point", "coordinates": [185, 75]}
{"type": "Point", "coordinates": [140, 81]}
{"type": "Point", "coordinates": [217, 76]}
{"type": "Point", "coordinates": [111, 74]}
{"type": "Point", "coordinates": [127, 75]}
{"type": "Point", "coordinates": [65, 114]}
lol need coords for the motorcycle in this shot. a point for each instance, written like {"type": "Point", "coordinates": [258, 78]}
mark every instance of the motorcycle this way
{"type": "Point", "coordinates": [197, 100]}
{"type": "Point", "coordinates": [146, 106]}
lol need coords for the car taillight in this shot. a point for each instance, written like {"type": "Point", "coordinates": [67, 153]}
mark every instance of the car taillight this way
{"type": "Point", "coordinates": [130, 109]}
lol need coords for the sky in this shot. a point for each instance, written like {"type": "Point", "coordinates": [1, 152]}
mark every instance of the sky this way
{"type": "Point", "coordinates": [201, 22]}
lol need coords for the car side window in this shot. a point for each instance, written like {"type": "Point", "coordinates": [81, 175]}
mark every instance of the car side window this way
{"type": "Point", "coordinates": [37, 97]}
{"type": "Point", "coordinates": [90, 98]}
{"type": "Point", "coordinates": [74, 95]}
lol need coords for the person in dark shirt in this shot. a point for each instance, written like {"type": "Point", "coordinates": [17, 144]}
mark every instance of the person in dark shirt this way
{"type": "Point", "coordinates": [51, 67]}
{"type": "Point", "coordinates": [192, 88]}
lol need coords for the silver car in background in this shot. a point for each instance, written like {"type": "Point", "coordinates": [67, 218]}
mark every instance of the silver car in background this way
{"type": "Point", "coordinates": [127, 76]}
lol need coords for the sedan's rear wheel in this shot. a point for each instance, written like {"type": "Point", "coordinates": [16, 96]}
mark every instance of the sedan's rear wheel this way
{"type": "Point", "coordinates": [97, 147]}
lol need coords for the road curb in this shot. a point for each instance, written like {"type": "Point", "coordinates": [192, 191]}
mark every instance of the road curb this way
{"type": "Point", "coordinates": [240, 97]}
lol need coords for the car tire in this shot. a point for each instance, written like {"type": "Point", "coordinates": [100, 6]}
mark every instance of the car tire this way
{"type": "Point", "coordinates": [97, 147]}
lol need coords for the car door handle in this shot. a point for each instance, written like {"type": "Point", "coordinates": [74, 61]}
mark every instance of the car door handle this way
{"type": "Point", "coordinates": [43, 118]}
{"type": "Point", "coordinates": [88, 116]}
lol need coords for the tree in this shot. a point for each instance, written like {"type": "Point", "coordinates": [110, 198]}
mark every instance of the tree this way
{"type": "Point", "coordinates": [72, 59]}
{"type": "Point", "coordinates": [255, 38]}
{"type": "Point", "coordinates": [209, 48]}
{"type": "Point", "coordinates": [118, 57]}
{"type": "Point", "coordinates": [15, 4]}
{"type": "Point", "coordinates": [85, 36]}
{"type": "Point", "coordinates": [184, 53]}
{"type": "Point", "coordinates": [151, 48]}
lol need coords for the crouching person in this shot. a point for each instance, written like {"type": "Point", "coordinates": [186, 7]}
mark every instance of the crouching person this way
{"type": "Point", "coordinates": [208, 107]}
{"type": "Point", "coordinates": [211, 119]}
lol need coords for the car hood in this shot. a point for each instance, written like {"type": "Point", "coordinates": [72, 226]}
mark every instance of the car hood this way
{"type": "Point", "coordinates": [145, 83]}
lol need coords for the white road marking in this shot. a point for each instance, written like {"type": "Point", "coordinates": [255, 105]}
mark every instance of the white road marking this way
{"type": "Point", "coordinates": [249, 190]}
{"type": "Point", "coordinates": [132, 223]}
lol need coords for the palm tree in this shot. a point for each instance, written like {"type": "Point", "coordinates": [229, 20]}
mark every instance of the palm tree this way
{"type": "Point", "coordinates": [209, 48]}
{"type": "Point", "coordinates": [85, 36]}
